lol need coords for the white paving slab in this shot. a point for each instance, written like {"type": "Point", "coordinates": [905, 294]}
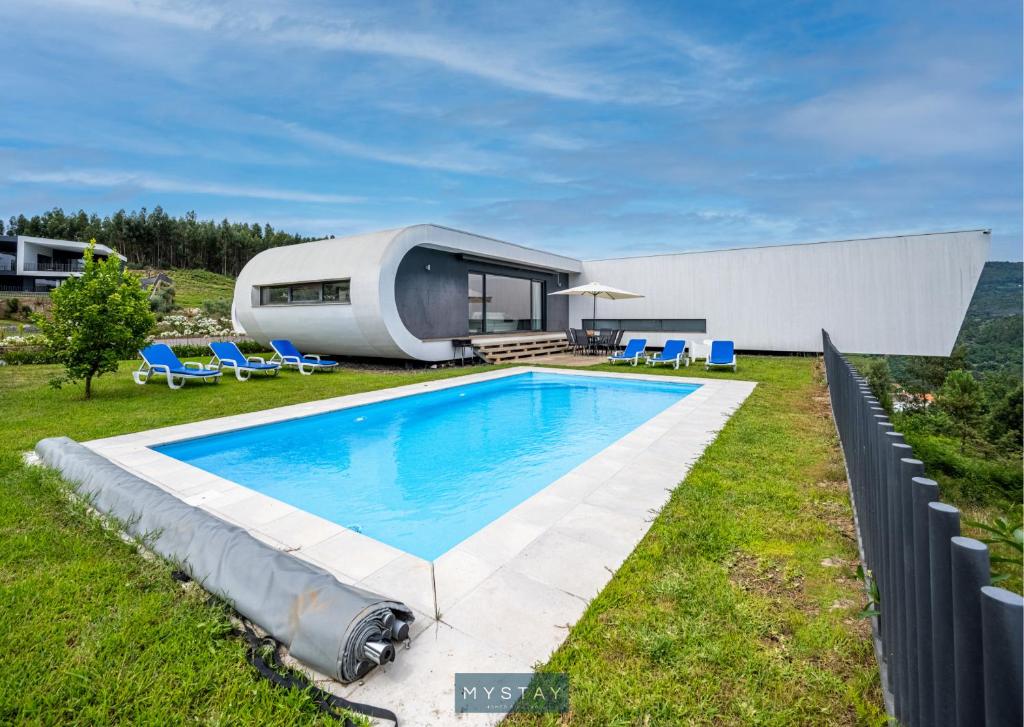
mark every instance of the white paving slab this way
{"type": "Point", "coordinates": [508, 594]}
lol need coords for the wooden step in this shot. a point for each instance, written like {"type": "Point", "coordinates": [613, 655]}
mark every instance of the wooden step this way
{"type": "Point", "coordinates": [505, 350]}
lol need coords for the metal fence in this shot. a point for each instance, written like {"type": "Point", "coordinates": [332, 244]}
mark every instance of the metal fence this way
{"type": "Point", "coordinates": [950, 645]}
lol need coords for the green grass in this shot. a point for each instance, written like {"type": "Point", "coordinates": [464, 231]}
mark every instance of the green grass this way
{"type": "Point", "coordinates": [739, 605]}
{"type": "Point", "coordinates": [193, 287]}
{"type": "Point", "coordinates": [725, 613]}
{"type": "Point", "coordinates": [92, 632]}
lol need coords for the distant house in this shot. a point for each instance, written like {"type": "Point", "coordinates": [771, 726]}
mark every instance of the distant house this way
{"type": "Point", "coordinates": [156, 282]}
{"type": "Point", "coordinates": [38, 265]}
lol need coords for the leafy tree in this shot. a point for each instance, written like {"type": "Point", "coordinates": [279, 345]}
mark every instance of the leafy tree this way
{"type": "Point", "coordinates": [95, 319]}
{"type": "Point", "coordinates": [960, 397]}
{"type": "Point", "coordinates": [925, 374]}
{"type": "Point", "coordinates": [1005, 420]}
{"type": "Point", "coordinates": [880, 380]}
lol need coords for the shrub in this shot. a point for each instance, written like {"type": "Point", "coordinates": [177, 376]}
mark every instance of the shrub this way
{"type": "Point", "coordinates": [217, 308]}
{"type": "Point", "coordinates": [21, 355]}
{"type": "Point", "coordinates": [162, 300]}
{"type": "Point", "coordinates": [195, 350]}
{"type": "Point", "coordinates": [193, 325]}
{"type": "Point", "coordinates": [880, 380]}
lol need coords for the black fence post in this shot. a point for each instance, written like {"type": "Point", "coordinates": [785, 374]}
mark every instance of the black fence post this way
{"type": "Point", "coordinates": [909, 468]}
{"type": "Point", "coordinates": [970, 567]}
{"type": "Point", "coordinates": [1002, 625]}
{"type": "Point", "coordinates": [925, 491]}
{"type": "Point", "coordinates": [943, 525]}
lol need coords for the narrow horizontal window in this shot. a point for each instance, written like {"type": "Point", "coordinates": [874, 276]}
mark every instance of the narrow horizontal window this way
{"type": "Point", "coordinates": [652, 325]}
{"type": "Point", "coordinates": [336, 291]}
{"type": "Point", "coordinates": [274, 295]}
{"type": "Point", "coordinates": [306, 293]}
{"type": "Point", "coordinates": [327, 291]}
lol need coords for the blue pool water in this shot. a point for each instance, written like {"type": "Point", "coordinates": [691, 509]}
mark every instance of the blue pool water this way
{"type": "Point", "coordinates": [424, 472]}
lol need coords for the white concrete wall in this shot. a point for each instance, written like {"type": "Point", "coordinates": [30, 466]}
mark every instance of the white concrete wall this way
{"type": "Point", "coordinates": [892, 295]}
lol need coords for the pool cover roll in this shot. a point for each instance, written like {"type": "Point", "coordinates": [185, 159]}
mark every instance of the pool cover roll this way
{"type": "Point", "coordinates": [324, 623]}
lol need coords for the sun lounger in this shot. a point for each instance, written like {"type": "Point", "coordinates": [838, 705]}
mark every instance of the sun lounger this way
{"type": "Point", "coordinates": [634, 350]}
{"type": "Point", "coordinates": [286, 354]}
{"type": "Point", "coordinates": [226, 355]}
{"type": "Point", "coordinates": [160, 359]}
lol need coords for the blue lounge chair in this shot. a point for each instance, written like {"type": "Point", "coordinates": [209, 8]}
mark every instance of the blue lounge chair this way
{"type": "Point", "coordinates": [673, 353]}
{"type": "Point", "coordinates": [634, 350]}
{"type": "Point", "coordinates": [286, 354]}
{"type": "Point", "coordinates": [158, 358]}
{"type": "Point", "coordinates": [227, 356]}
{"type": "Point", "coordinates": [722, 354]}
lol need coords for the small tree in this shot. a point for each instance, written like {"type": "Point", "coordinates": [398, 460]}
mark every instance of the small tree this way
{"type": "Point", "coordinates": [880, 380]}
{"type": "Point", "coordinates": [926, 374]}
{"type": "Point", "coordinates": [960, 397]}
{"type": "Point", "coordinates": [95, 320]}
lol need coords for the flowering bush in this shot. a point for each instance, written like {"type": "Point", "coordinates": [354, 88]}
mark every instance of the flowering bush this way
{"type": "Point", "coordinates": [193, 324]}
{"type": "Point", "coordinates": [32, 339]}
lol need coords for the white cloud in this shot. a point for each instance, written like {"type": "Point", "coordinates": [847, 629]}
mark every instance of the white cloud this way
{"type": "Point", "coordinates": [908, 118]}
{"type": "Point", "coordinates": [107, 179]}
{"type": "Point", "coordinates": [547, 58]}
{"type": "Point", "coordinates": [460, 158]}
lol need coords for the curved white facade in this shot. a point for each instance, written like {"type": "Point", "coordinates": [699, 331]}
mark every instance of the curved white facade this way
{"type": "Point", "coordinates": [370, 325]}
{"type": "Point", "coordinates": [891, 295]}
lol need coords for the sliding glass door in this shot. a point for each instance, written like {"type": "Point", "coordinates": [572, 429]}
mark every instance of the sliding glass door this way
{"type": "Point", "coordinates": [502, 304]}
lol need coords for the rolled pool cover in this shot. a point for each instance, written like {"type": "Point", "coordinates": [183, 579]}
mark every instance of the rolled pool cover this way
{"type": "Point", "coordinates": [324, 623]}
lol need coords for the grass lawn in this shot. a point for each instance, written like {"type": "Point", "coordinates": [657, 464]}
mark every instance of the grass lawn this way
{"type": "Point", "coordinates": [738, 607]}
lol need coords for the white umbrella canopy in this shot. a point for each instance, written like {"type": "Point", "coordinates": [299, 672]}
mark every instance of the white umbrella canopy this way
{"type": "Point", "coordinates": [598, 290]}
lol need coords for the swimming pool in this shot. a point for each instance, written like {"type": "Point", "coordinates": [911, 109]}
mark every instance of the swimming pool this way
{"type": "Point", "coordinates": [424, 472]}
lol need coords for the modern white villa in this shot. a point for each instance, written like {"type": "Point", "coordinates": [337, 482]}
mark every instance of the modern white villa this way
{"type": "Point", "coordinates": [38, 264]}
{"type": "Point", "coordinates": [408, 293]}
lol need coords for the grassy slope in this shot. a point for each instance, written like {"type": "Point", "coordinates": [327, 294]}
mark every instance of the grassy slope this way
{"type": "Point", "coordinates": [725, 612]}
{"type": "Point", "coordinates": [193, 287]}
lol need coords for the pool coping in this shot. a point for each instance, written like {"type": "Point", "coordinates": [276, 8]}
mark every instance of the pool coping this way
{"type": "Point", "coordinates": [506, 595]}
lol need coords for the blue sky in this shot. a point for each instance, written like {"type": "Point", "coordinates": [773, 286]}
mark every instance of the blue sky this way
{"type": "Point", "coordinates": [594, 129]}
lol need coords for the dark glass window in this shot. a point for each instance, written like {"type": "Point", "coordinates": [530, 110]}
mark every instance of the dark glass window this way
{"type": "Point", "coordinates": [668, 325]}
{"type": "Point", "coordinates": [306, 293]}
{"type": "Point", "coordinates": [503, 304]}
{"type": "Point", "coordinates": [476, 303]}
{"type": "Point", "coordinates": [336, 291]}
{"type": "Point", "coordinates": [274, 295]}
{"type": "Point", "coordinates": [329, 291]}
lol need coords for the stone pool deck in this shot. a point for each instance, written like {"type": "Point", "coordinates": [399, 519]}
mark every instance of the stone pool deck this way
{"type": "Point", "coordinates": [503, 599]}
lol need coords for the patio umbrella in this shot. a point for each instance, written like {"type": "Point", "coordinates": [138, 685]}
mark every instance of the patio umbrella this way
{"type": "Point", "coordinates": [598, 290]}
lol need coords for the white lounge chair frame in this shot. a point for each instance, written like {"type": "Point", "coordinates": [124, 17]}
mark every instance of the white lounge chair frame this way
{"type": "Point", "coordinates": [242, 373]}
{"type": "Point", "coordinates": [680, 358]}
{"type": "Point", "coordinates": [298, 363]}
{"type": "Point", "coordinates": [146, 371]}
{"type": "Point", "coordinates": [634, 360]}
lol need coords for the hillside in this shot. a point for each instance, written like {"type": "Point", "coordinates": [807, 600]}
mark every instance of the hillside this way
{"type": "Point", "coordinates": [999, 292]}
{"type": "Point", "coordinates": [993, 329]}
{"type": "Point", "coordinates": [192, 287]}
